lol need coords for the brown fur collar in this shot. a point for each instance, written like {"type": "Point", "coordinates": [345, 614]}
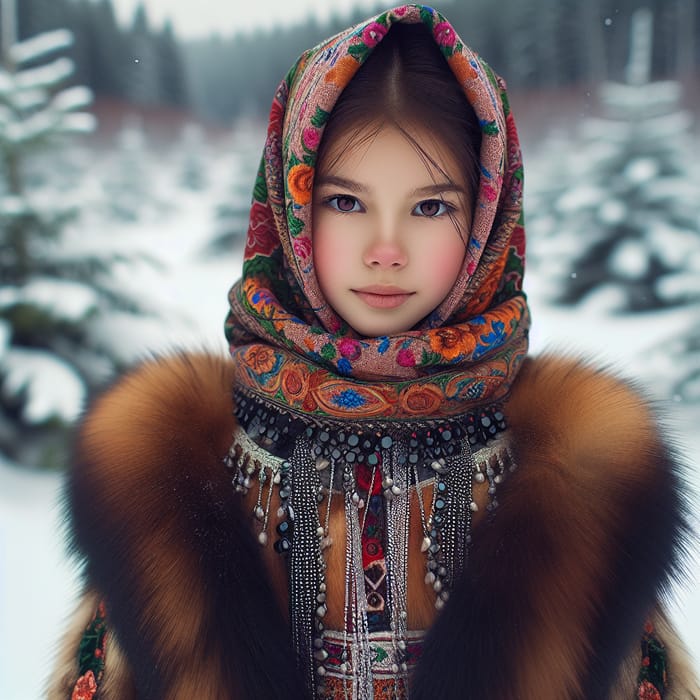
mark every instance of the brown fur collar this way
{"type": "Point", "coordinates": [555, 592]}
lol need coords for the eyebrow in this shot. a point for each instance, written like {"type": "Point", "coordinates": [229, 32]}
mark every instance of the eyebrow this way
{"type": "Point", "coordinates": [352, 186]}
{"type": "Point", "coordinates": [341, 182]}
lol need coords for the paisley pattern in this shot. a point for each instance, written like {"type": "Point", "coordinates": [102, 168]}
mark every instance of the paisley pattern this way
{"type": "Point", "coordinates": [290, 345]}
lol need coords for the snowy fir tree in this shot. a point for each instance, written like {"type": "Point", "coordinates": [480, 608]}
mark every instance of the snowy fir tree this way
{"type": "Point", "coordinates": [620, 216]}
{"type": "Point", "coordinates": [50, 292]}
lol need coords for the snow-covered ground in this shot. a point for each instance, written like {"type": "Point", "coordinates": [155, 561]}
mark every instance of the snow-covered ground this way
{"type": "Point", "coordinates": [38, 583]}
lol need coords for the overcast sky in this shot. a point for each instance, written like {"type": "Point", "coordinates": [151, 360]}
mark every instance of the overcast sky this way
{"type": "Point", "coordinates": [196, 18]}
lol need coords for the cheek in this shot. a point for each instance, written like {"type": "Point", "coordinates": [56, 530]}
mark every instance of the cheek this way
{"type": "Point", "coordinates": [444, 259]}
{"type": "Point", "coordinates": [327, 251]}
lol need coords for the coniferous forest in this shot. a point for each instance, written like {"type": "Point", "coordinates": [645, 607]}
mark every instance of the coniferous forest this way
{"type": "Point", "coordinates": [536, 43]}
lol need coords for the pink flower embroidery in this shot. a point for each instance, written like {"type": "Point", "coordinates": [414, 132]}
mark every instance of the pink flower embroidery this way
{"type": "Point", "coordinates": [302, 247]}
{"type": "Point", "coordinates": [350, 348]}
{"type": "Point", "coordinates": [471, 268]}
{"type": "Point", "coordinates": [489, 193]}
{"type": "Point", "coordinates": [405, 358]}
{"type": "Point", "coordinates": [647, 691]}
{"type": "Point", "coordinates": [311, 138]}
{"type": "Point", "coordinates": [444, 34]}
{"type": "Point", "coordinates": [373, 34]}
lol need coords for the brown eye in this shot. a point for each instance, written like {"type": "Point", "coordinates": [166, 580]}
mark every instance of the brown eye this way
{"type": "Point", "coordinates": [431, 208]}
{"type": "Point", "coordinates": [344, 203]}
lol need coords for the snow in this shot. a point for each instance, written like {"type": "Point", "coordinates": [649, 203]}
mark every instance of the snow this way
{"type": "Point", "coordinates": [46, 76]}
{"type": "Point", "coordinates": [64, 298]}
{"type": "Point", "coordinates": [72, 98]}
{"type": "Point", "coordinates": [53, 389]}
{"type": "Point", "coordinates": [168, 228]}
{"type": "Point", "coordinates": [40, 45]}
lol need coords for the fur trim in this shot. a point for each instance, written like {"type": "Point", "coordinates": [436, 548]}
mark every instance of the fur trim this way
{"type": "Point", "coordinates": [154, 513]}
{"type": "Point", "coordinates": [583, 543]}
{"type": "Point", "coordinates": [553, 600]}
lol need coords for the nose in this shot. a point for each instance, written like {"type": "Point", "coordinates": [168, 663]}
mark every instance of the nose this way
{"type": "Point", "coordinates": [385, 251]}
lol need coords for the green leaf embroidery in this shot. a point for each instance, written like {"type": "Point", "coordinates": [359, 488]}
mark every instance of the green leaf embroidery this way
{"type": "Point", "coordinates": [296, 226]}
{"type": "Point", "coordinates": [358, 51]}
{"type": "Point", "coordinates": [320, 117]}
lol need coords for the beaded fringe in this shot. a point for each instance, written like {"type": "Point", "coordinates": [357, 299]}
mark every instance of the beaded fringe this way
{"type": "Point", "coordinates": [321, 465]}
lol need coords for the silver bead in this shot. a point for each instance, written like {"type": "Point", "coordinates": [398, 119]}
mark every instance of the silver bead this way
{"type": "Point", "coordinates": [322, 463]}
{"type": "Point", "coordinates": [259, 513]}
{"type": "Point", "coordinates": [262, 538]}
{"type": "Point", "coordinates": [430, 578]}
{"type": "Point", "coordinates": [425, 544]}
{"type": "Point", "coordinates": [473, 507]}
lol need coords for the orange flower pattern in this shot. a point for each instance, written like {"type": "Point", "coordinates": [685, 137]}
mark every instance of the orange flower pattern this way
{"type": "Point", "coordinates": [342, 72]}
{"type": "Point", "coordinates": [85, 687]}
{"type": "Point", "coordinates": [452, 343]}
{"type": "Point", "coordinates": [260, 358]}
{"type": "Point", "coordinates": [300, 182]}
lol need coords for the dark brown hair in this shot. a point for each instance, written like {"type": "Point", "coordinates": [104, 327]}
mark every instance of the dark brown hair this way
{"type": "Point", "coordinates": [406, 82]}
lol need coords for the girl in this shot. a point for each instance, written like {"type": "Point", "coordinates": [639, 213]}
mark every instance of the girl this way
{"type": "Point", "coordinates": [396, 501]}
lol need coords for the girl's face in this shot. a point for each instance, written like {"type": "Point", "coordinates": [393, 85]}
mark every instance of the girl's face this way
{"type": "Point", "coordinates": [389, 229]}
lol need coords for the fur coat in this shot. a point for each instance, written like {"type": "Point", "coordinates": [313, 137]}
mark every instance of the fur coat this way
{"type": "Point", "coordinates": [556, 593]}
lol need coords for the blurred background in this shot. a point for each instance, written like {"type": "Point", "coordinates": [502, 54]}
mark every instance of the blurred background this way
{"type": "Point", "coordinates": [130, 133]}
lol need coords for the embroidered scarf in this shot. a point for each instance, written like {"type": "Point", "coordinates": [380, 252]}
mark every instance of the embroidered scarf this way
{"type": "Point", "coordinates": [289, 345]}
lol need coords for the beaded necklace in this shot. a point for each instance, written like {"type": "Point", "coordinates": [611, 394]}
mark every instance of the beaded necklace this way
{"type": "Point", "coordinates": [308, 463]}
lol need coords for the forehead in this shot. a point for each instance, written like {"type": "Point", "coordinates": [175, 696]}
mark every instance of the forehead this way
{"type": "Point", "coordinates": [387, 146]}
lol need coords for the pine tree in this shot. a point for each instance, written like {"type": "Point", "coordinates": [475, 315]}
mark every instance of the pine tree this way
{"type": "Point", "coordinates": [49, 294]}
{"type": "Point", "coordinates": [623, 206]}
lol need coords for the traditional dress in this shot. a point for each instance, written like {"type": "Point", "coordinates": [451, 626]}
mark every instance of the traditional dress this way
{"type": "Point", "coordinates": [426, 514]}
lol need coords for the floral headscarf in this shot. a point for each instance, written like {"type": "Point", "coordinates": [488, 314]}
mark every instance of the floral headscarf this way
{"type": "Point", "coordinates": [291, 347]}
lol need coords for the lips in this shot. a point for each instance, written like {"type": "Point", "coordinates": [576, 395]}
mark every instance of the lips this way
{"type": "Point", "coordinates": [383, 297]}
